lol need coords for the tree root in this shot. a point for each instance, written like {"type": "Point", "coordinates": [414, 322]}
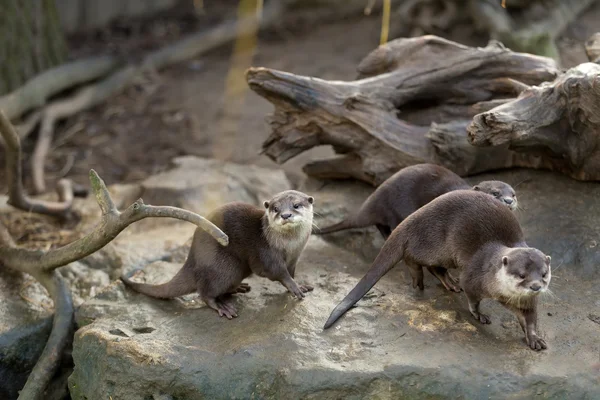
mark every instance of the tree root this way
{"type": "Point", "coordinates": [42, 264]}
{"type": "Point", "coordinates": [16, 192]}
{"type": "Point", "coordinates": [37, 90]}
{"type": "Point", "coordinates": [83, 99]}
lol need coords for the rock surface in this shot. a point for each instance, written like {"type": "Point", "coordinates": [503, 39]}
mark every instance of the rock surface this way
{"type": "Point", "coordinates": [397, 343]}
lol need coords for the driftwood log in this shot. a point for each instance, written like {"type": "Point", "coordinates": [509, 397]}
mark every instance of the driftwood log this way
{"type": "Point", "coordinates": [412, 103]}
{"type": "Point", "coordinates": [558, 121]}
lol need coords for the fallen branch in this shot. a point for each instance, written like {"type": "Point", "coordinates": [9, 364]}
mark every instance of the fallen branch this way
{"type": "Point", "coordinates": [16, 192]}
{"type": "Point", "coordinates": [39, 89]}
{"type": "Point", "coordinates": [364, 119]}
{"type": "Point", "coordinates": [42, 264]}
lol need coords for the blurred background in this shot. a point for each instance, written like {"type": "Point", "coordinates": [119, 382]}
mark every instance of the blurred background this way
{"type": "Point", "coordinates": [198, 102]}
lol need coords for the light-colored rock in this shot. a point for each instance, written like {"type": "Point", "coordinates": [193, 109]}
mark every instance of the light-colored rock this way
{"type": "Point", "coordinates": [397, 342]}
{"type": "Point", "coordinates": [202, 184]}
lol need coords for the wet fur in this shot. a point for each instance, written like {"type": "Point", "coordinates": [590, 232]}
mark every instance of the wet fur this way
{"type": "Point", "coordinates": [469, 230]}
{"type": "Point", "coordinates": [260, 242]}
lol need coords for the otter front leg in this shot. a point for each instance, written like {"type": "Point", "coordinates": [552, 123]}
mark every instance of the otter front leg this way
{"type": "Point", "coordinates": [292, 270]}
{"type": "Point", "coordinates": [528, 321]}
{"type": "Point", "coordinates": [274, 268]}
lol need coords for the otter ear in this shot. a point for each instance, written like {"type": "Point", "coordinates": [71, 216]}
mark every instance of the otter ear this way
{"type": "Point", "coordinates": [266, 204]}
{"type": "Point", "coordinates": [311, 199]}
{"type": "Point", "coordinates": [548, 259]}
{"type": "Point", "coordinates": [477, 188]}
{"type": "Point", "coordinates": [504, 260]}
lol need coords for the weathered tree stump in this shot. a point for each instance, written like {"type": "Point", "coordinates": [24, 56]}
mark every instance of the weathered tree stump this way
{"type": "Point", "coordinates": [558, 121]}
{"type": "Point", "coordinates": [412, 104]}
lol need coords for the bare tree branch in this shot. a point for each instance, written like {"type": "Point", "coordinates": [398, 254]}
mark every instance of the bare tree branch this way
{"type": "Point", "coordinates": [59, 336]}
{"type": "Point", "coordinates": [113, 222]}
{"type": "Point", "coordinates": [58, 291]}
{"type": "Point", "coordinates": [42, 264]}
{"type": "Point", "coordinates": [16, 192]}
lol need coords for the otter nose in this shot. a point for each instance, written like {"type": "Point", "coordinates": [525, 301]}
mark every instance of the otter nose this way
{"type": "Point", "coordinates": [535, 287]}
{"type": "Point", "coordinates": [508, 200]}
{"type": "Point", "coordinates": [286, 215]}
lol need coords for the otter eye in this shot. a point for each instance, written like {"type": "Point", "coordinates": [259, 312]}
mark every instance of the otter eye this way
{"type": "Point", "coordinates": [522, 276]}
{"type": "Point", "coordinates": [544, 274]}
{"type": "Point", "coordinates": [276, 209]}
{"type": "Point", "coordinates": [296, 205]}
{"type": "Point", "coordinates": [496, 194]}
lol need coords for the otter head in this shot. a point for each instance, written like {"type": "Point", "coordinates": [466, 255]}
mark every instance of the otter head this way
{"type": "Point", "coordinates": [290, 210]}
{"type": "Point", "coordinates": [500, 190]}
{"type": "Point", "coordinates": [524, 272]}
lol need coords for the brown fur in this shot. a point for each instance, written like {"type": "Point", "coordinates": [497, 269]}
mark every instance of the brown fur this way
{"type": "Point", "coordinates": [405, 192]}
{"type": "Point", "coordinates": [267, 243]}
{"type": "Point", "coordinates": [410, 189]}
{"type": "Point", "coordinates": [469, 230]}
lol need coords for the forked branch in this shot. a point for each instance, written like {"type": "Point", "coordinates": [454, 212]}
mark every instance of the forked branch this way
{"type": "Point", "coordinates": [42, 264]}
{"type": "Point", "coordinates": [16, 192]}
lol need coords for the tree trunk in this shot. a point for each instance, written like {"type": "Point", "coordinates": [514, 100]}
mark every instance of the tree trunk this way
{"type": "Point", "coordinates": [31, 41]}
{"type": "Point", "coordinates": [412, 105]}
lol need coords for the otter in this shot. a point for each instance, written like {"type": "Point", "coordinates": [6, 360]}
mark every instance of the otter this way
{"type": "Point", "coordinates": [405, 192]}
{"type": "Point", "coordinates": [266, 242]}
{"type": "Point", "coordinates": [472, 231]}
{"type": "Point", "coordinates": [408, 190]}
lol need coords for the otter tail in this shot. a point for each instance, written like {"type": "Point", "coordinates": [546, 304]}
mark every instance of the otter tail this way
{"type": "Point", "coordinates": [340, 226]}
{"type": "Point", "coordinates": [182, 283]}
{"type": "Point", "coordinates": [355, 221]}
{"type": "Point", "coordinates": [390, 254]}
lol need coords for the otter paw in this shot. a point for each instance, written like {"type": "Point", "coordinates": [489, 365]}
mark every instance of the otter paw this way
{"type": "Point", "coordinates": [226, 310]}
{"type": "Point", "coordinates": [297, 292]}
{"type": "Point", "coordinates": [418, 283]}
{"type": "Point", "coordinates": [451, 279]}
{"type": "Point", "coordinates": [243, 288]}
{"type": "Point", "coordinates": [483, 318]}
{"type": "Point", "coordinates": [306, 288]}
{"type": "Point", "coordinates": [537, 343]}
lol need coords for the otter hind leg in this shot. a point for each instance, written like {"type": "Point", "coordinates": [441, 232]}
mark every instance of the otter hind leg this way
{"type": "Point", "coordinates": [449, 282]}
{"type": "Point", "coordinates": [416, 273]}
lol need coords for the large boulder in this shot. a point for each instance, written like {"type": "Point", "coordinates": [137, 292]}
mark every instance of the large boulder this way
{"type": "Point", "coordinates": [397, 342]}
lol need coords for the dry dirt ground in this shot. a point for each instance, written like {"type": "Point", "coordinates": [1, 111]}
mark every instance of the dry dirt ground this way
{"type": "Point", "coordinates": [180, 110]}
